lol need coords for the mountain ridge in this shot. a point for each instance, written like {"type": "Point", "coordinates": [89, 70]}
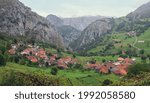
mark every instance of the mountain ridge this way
{"type": "Point", "coordinates": [79, 23]}
{"type": "Point", "coordinates": [17, 19]}
{"type": "Point", "coordinates": [141, 12]}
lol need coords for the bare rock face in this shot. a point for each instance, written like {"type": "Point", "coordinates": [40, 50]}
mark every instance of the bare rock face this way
{"type": "Point", "coordinates": [70, 28]}
{"type": "Point", "coordinates": [17, 19]}
{"type": "Point", "coordinates": [56, 21]}
{"type": "Point", "coordinates": [141, 12]}
{"type": "Point", "coordinates": [93, 33]}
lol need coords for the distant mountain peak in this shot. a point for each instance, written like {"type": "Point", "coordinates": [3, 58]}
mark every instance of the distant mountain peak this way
{"type": "Point", "coordinates": [56, 21]}
{"type": "Point", "coordinates": [79, 23]}
{"type": "Point", "coordinates": [141, 12]}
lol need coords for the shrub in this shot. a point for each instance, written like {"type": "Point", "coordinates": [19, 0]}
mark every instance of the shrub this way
{"type": "Point", "coordinates": [54, 71]}
{"type": "Point", "coordinates": [10, 77]}
{"type": "Point", "coordinates": [22, 62]}
{"type": "Point", "coordinates": [107, 82]}
{"type": "Point", "coordinates": [137, 69]}
{"type": "Point", "coordinates": [142, 51]}
{"type": "Point", "coordinates": [16, 58]}
{"type": "Point", "coordinates": [2, 60]}
{"type": "Point", "coordinates": [78, 66]}
{"type": "Point", "coordinates": [124, 56]}
{"type": "Point", "coordinates": [2, 49]}
{"type": "Point", "coordinates": [93, 61]}
{"type": "Point", "coordinates": [103, 60]}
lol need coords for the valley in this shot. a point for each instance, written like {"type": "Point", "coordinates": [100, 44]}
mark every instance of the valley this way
{"type": "Point", "coordinates": [77, 51]}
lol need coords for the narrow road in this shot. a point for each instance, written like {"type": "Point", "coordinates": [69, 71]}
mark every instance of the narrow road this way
{"type": "Point", "coordinates": [133, 45]}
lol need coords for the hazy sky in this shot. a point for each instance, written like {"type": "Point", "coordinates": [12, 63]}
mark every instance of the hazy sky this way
{"type": "Point", "coordinates": [74, 8]}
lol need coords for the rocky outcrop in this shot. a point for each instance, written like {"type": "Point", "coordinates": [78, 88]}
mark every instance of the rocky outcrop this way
{"type": "Point", "coordinates": [56, 21]}
{"type": "Point", "coordinates": [93, 33]}
{"type": "Point", "coordinates": [70, 28]}
{"type": "Point", "coordinates": [17, 19]}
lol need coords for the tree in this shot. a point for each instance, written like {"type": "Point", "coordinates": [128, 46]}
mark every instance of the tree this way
{"type": "Point", "coordinates": [123, 56]}
{"type": "Point", "coordinates": [143, 58]}
{"type": "Point", "coordinates": [137, 69]}
{"type": "Point", "coordinates": [93, 61]}
{"type": "Point", "coordinates": [15, 41]}
{"type": "Point", "coordinates": [107, 82]}
{"type": "Point", "coordinates": [148, 56]}
{"type": "Point", "coordinates": [103, 60]}
{"type": "Point", "coordinates": [2, 60]}
{"type": "Point", "coordinates": [142, 51]}
{"type": "Point", "coordinates": [54, 71]}
{"type": "Point", "coordinates": [74, 56]}
{"type": "Point", "coordinates": [2, 49]}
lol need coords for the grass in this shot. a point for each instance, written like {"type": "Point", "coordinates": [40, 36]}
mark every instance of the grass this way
{"type": "Point", "coordinates": [146, 38]}
{"type": "Point", "coordinates": [88, 78]}
{"type": "Point", "coordinates": [84, 59]}
{"type": "Point", "coordinates": [65, 77]}
{"type": "Point", "coordinates": [125, 40]}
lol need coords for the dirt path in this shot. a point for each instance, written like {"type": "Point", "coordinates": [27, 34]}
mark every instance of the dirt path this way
{"type": "Point", "coordinates": [133, 45]}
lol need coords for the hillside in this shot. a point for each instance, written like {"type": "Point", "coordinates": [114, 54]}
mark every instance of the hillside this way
{"type": "Point", "coordinates": [140, 13]}
{"type": "Point", "coordinates": [92, 34]}
{"type": "Point", "coordinates": [70, 28]}
{"type": "Point", "coordinates": [77, 51]}
{"type": "Point", "coordinates": [69, 34]}
{"type": "Point", "coordinates": [123, 42]}
{"type": "Point", "coordinates": [56, 21]}
{"type": "Point", "coordinates": [17, 19]}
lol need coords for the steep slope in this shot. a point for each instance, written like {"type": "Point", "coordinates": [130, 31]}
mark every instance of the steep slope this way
{"type": "Point", "coordinates": [55, 20]}
{"type": "Point", "coordinates": [69, 34]}
{"type": "Point", "coordinates": [17, 19]}
{"type": "Point", "coordinates": [140, 13]}
{"type": "Point", "coordinates": [93, 34]}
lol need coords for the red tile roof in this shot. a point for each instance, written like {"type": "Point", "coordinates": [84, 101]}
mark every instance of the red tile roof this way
{"type": "Point", "coordinates": [128, 60]}
{"type": "Point", "coordinates": [103, 69]}
{"type": "Point", "coordinates": [41, 53]}
{"type": "Point", "coordinates": [92, 66]}
{"type": "Point", "coordinates": [120, 59]}
{"type": "Point", "coordinates": [61, 64]}
{"type": "Point", "coordinates": [27, 51]}
{"type": "Point", "coordinates": [109, 65]}
{"type": "Point", "coordinates": [32, 59]}
{"type": "Point", "coordinates": [74, 61]}
{"type": "Point", "coordinates": [120, 72]}
{"type": "Point", "coordinates": [66, 60]}
{"type": "Point", "coordinates": [12, 51]}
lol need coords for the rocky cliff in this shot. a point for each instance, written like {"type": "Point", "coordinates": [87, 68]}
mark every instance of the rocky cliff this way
{"type": "Point", "coordinates": [93, 33]}
{"type": "Point", "coordinates": [141, 12]}
{"type": "Point", "coordinates": [56, 21]}
{"type": "Point", "coordinates": [17, 19]}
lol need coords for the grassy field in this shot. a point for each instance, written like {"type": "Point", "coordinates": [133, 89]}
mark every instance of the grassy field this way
{"type": "Point", "coordinates": [42, 75]}
{"type": "Point", "coordinates": [125, 40]}
{"type": "Point", "coordinates": [146, 38]}
{"type": "Point", "coordinates": [85, 59]}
